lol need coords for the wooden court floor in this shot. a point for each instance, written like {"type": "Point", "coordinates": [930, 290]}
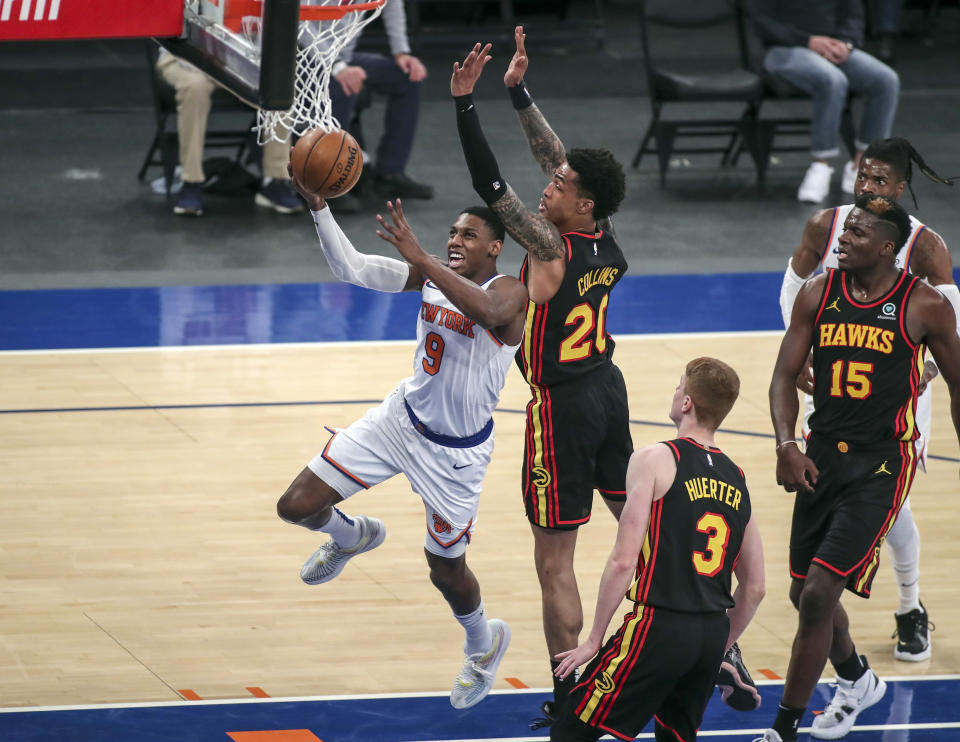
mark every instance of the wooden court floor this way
{"type": "Point", "coordinates": [141, 556]}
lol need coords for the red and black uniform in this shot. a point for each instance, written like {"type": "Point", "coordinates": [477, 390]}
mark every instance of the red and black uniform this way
{"type": "Point", "coordinates": [663, 661]}
{"type": "Point", "coordinates": [867, 372]}
{"type": "Point", "coordinates": [578, 429]}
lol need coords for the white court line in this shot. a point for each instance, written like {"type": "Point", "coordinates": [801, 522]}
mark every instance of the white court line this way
{"type": "Point", "coordinates": [362, 343]}
{"type": "Point", "coordinates": [420, 694]}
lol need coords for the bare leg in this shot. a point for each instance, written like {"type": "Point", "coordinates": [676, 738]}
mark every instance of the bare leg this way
{"type": "Point", "coordinates": [560, 597]}
{"type": "Point", "coordinates": [455, 581]}
{"type": "Point", "coordinates": [308, 501]}
{"type": "Point", "coordinates": [823, 629]}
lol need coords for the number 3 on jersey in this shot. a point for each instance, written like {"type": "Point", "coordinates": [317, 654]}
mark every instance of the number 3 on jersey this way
{"type": "Point", "coordinates": [578, 344]}
{"type": "Point", "coordinates": [710, 561]}
{"type": "Point", "coordinates": [433, 345]}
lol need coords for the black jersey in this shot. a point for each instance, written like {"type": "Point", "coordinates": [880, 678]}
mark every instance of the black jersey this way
{"type": "Point", "coordinates": [567, 337]}
{"type": "Point", "coordinates": [695, 533]}
{"type": "Point", "coordinates": [866, 369]}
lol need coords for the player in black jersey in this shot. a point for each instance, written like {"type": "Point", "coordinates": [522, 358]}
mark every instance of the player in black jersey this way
{"type": "Point", "coordinates": [869, 324]}
{"type": "Point", "coordinates": [685, 530]}
{"type": "Point", "coordinates": [577, 429]}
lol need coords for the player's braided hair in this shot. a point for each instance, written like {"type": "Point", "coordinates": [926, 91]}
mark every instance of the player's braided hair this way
{"type": "Point", "coordinates": [489, 217]}
{"type": "Point", "coordinates": [900, 154]}
{"type": "Point", "coordinates": [600, 178]}
{"type": "Point", "coordinates": [888, 210]}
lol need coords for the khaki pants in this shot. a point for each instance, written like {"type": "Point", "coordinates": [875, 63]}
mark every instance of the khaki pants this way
{"type": "Point", "coordinates": [194, 90]}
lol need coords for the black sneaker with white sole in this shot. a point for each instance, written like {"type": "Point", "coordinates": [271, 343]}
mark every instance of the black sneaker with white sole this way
{"type": "Point", "coordinates": [913, 635]}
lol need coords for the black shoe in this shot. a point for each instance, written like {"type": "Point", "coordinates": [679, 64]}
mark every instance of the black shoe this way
{"type": "Point", "coordinates": [737, 688]}
{"type": "Point", "coordinates": [401, 185]}
{"type": "Point", "coordinates": [345, 204]}
{"type": "Point", "coordinates": [912, 634]}
{"type": "Point", "coordinates": [549, 716]}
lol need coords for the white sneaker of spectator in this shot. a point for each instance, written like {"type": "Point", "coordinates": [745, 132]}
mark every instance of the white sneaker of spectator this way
{"type": "Point", "coordinates": [816, 183]}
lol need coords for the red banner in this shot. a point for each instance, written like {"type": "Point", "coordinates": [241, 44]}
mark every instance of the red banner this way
{"type": "Point", "coordinates": [89, 19]}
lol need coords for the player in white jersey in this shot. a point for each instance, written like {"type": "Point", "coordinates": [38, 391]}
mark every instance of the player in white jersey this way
{"type": "Point", "coordinates": [436, 426]}
{"type": "Point", "coordinates": [885, 170]}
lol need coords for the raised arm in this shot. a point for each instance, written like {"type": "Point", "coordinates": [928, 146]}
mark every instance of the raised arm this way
{"type": "Point", "coordinates": [649, 475]}
{"type": "Point", "coordinates": [501, 308]}
{"type": "Point", "coordinates": [794, 470]}
{"type": "Point", "coordinates": [545, 145]}
{"type": "Point", "coordinates": [539, 237]}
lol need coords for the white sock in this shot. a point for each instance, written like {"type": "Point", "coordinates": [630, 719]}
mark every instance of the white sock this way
{"type": "Point", "coordinates": [479, 636]}
{"type": "Point", "coordinates": [904, 542]}
{"type": "Point", "coordinates": [342, 529]}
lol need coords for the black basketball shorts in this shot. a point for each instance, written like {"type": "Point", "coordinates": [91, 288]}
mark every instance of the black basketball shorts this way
{"type": "Point", "coordinates": [577, 439]}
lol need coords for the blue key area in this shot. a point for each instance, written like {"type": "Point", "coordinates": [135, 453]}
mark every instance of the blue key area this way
{"type": "Point", "coordinates": [297, 313]}
{"type": "Point", "coordinates": [911, 711]}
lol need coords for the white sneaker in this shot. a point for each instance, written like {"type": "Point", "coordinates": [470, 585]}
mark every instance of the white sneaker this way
{"type": "Point", "coordinates": [329, 560]}
{"type": "Point", "coordinates": [816, 183]}
{"type": "Point", "coordinates": [852, 697]}
{"type": "Point", "coordinates": [479, 670]}
{"type": "Point", "coordinates": [770, 735]}
{"type": "Point", "coordinates": [849, 178]}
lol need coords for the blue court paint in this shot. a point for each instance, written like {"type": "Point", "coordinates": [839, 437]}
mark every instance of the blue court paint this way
{"type": "Point", "coordinates": [911, 710]}
{"type": "Point", "coordinates": [293, 313]}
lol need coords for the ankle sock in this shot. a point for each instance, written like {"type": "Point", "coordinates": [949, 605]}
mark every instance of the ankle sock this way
{"type": "Point", "coordinates": [479, 636]}
{"type": "Point", "coordinates": [345, 531]}
{"type": "Point", "coordinates": [787, 722]}
{"type": "Point", "coordinates": [851, 668]}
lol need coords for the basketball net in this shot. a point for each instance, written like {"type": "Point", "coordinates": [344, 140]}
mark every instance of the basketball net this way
{"type": "Point", "coordinates": [326, 28]}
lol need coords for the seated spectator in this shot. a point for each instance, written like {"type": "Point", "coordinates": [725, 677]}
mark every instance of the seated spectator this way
{"type": "Point", "coordinates": [194, 90]}
{"type": "Point", "coordinates": [398, 78]}
{"type": "Point", "coordinates": [815, 45]}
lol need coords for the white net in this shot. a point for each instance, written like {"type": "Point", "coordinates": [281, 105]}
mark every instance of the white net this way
{"type": "Point", "coordinates": [319, 43]}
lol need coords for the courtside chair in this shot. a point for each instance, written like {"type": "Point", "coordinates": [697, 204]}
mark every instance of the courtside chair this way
{"type": "Point", "coordinates": [225, 109]}
{"type": "Point", "coordinates": [780, 130]}
{"type": "Point", "coordinates": [680, 39]}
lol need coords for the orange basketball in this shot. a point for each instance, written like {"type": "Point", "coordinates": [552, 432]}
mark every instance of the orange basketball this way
{"type": "Point", "coordinates": [327, 163]}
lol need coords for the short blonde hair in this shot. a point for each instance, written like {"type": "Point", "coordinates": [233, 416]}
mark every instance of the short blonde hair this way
{"type": "Point", "coordinates": [714, 387]}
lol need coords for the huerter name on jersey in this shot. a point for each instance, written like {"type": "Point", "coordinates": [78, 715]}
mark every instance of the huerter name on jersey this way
{"type": "Point", "coordinates": [715, 489]}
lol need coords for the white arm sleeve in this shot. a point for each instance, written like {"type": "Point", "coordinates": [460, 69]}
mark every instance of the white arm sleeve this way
{"type": "Point", "coordinates": [952, 295]}
{"type": "Point", "coordinates": [788, 292]}
{"type": "Point", "coordinates": [370, 271]}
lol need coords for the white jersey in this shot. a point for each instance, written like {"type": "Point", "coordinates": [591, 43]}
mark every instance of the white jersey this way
{"type": "Point", "coordinates": [829, 260]}
{"type": "Point", "coordinates": [459, 368]}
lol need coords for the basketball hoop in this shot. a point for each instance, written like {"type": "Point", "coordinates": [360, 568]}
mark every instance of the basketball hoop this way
{"type": "Point", "coordinates": [326, 28]}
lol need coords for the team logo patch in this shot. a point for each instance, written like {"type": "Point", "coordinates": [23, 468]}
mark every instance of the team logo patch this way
{"type": "Point", "coordinates": [440, 525]}
{"type": "Point", "coordinates": [842, 446]}
{"type": "Point", "coordinates": [604, 683]}
{"type": "Point", "coordinates": [541, 477]}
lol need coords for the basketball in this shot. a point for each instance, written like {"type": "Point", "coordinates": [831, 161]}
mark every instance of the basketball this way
{"type": "Point", "coordinates": [327, 163]}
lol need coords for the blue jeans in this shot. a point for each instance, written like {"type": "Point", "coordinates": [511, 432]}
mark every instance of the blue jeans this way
{"type": "Point", "coordinates": [384, 77]}
{"type": "Point", "coordinates": [828, 85]}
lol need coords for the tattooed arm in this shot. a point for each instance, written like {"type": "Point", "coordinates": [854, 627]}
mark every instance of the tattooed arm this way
{"type": "Point", "coordinates": [546, 249]}
{"type": "Point", "coordinates": [545, 145]}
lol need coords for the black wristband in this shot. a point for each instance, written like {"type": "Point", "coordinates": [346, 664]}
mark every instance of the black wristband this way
{"type": "Point", "coordinates": [463, 102]}
{"type": "Point", "coordinates": [520, 96]}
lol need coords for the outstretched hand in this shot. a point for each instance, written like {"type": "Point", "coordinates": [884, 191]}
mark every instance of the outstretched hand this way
{"type": "Point", "coordinates": [466, 74]}
{"type": "Point", "coordinates": [400, 233]}
{"type": "Point", "coordinates": [315, 202]}
{"type": "Point", "coordinates": [573, 658]}
{"type": "Point", "coordinates": [518, 65]}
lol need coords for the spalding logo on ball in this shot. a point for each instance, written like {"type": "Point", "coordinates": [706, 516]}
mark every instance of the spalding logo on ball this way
{"type": "Point", "coordinates": [327, 163]}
